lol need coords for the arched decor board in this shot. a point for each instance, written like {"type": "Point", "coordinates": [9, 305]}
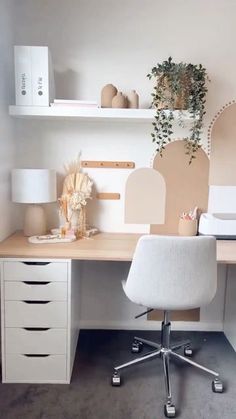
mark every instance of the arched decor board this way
{"type": "Point", "coordinates": [223, 149]}
{"type": "Point", "coordinates": [186, 185]}
{"type": "Point", "coordinates": [145, 195]}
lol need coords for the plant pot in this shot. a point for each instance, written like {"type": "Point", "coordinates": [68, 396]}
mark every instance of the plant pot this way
{"type": "Point", "coordinates": [187, 227]}
{"type": "Point", "coordinates": [172, 100]}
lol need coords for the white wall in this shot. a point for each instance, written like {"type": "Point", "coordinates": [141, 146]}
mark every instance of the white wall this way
{"type": "Point", "coordinates": [7, 143]}
{"type": "Point", "coordinates": [109, 41]}
{"type": "Point", "coordinates": [97, 42]}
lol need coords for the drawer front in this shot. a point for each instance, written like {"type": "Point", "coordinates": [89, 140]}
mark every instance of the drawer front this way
{"type": "Point", "coordinates": [27, 290]}
{"type": "Point", "coordinates": [21, 368]}
{"type": "Point", "coordinates": [25, 314]}
{"type": "Point", "coordinates": [34, 271]}
{"type": "Point", "coordinates": [35, 341]}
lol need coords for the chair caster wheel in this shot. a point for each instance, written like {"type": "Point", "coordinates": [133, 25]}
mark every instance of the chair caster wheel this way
{"type": "Point", "coordinates": [188, 351]}
{"type": "Point", "coordinates": [169, 410]}
{"type": "Point", "coordinates": [115, 379]}
{"type": "Point", "coordinates": [217, 386]}
{"type": "Point", "coordinates": [136, 347]}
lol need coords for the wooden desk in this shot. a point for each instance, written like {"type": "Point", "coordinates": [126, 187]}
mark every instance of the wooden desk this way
{"type": "Point", "coordinates": [103, 246]}
{"type": "Point", "coordinates": [40, 291]}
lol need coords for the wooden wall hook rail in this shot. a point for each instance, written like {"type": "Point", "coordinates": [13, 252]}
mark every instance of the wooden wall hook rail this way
{"type": "Point", "coordinates": [108, 164]}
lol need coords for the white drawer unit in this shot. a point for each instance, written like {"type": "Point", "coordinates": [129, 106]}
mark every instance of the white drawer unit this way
{"type": "Point", "coordinates": [35, 340]}
{"type": "Point", "coordinates": [35, 314]}
{"type": "Point", "coordinates": [40, 319]}
{"type": "Point", "coordinates": [34, 271]}
{"type": "Point", "coordinates": [27, 368]}
{"type": "Point", "coordinates": [32, 290]}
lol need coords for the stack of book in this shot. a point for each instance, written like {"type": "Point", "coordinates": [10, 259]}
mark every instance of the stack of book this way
{"type": "Point", "coordinates": [34, 80]}
{"type": "Point", "coordinates": [74, 103]}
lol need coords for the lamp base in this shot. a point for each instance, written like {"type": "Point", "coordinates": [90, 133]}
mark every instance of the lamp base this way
{"type": "Point", "coordinates": [35, 221]}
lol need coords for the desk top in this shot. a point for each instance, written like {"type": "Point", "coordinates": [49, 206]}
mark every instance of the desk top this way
{"type": "Point", "coordinates": [103, 246]}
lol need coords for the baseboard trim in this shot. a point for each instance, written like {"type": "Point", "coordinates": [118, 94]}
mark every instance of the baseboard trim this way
{"type": "Point", "coordinates": [151, 325]}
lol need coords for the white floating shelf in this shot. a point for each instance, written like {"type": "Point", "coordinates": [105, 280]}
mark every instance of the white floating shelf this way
{"type": "Point", "coordinates": [93, 114]}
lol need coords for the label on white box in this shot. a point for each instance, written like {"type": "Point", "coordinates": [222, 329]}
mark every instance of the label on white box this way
{"type": "Point", "coordinates": [23, 75]}
{"type": "Point", "coordinates": [42, 78]}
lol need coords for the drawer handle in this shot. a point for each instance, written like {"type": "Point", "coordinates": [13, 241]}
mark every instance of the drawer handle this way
{"type": "Point", "coordinates": [36, 329]}
{"type": "Point", "coordinates": [36, 282]}
{"type": "Point", "coordinates": [36, 302]}
{"type": "Point", "coordinates": [36, 355]}
{"type": "Point", "coordinates": [36, 263]}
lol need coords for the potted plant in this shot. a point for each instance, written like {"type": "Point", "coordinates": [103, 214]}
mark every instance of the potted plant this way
{"type": "Point", "coordinates": [178, 86]}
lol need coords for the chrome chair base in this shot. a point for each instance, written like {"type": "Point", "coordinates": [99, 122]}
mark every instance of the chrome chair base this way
{"type": "Point", "coordinates": [165, 351]}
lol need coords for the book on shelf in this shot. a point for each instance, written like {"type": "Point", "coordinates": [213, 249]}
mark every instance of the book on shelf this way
{"type": "Point", "coordinates": [74, 103]}
{"type": "Point", "coordinates": [34, 80]}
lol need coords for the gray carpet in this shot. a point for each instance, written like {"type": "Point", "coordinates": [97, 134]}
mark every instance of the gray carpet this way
{"type": "Point", "coordinates": [142, 395]}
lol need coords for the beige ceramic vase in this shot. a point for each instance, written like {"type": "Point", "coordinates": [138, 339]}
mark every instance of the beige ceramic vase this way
{"type": "Point", "coordinates": [133, 100]}
{"type": "Point", "coordinates": [119, 101]}
{"type": "Point", "coordinates": [107, 94]}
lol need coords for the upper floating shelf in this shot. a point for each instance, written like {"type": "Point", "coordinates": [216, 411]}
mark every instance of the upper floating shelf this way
{"type": "Point", "coordinates": [93, 114]}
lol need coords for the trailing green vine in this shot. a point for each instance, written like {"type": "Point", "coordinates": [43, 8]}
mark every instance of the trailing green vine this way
{"type": "Point", "coordinates": [178, 86]}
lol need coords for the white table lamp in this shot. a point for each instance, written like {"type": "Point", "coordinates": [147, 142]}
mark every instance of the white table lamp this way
{"type": "Point", "coordinates": [34, 187]}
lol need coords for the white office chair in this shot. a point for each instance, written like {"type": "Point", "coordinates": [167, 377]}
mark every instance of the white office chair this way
{"type": "Point", "coordinates": [171, 273]}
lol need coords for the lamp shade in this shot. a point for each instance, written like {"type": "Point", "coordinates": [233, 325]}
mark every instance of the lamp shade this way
{"type": "Point", "coordinates": [33, 186]}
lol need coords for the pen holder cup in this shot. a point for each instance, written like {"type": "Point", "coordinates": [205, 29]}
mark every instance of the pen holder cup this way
{"type": "Point", "coordinates": [187, 227]}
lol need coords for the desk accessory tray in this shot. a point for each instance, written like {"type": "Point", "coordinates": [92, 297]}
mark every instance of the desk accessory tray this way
{"type": "Point", "coordinates": [51, 238]}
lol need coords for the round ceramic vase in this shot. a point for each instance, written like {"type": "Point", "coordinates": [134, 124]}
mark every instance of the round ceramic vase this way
{"type": "Point", "coordinates": [119, 101]}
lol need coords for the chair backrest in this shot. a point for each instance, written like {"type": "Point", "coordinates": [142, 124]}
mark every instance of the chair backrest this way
{"type": "Point", "coordinates": [171, 273]}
